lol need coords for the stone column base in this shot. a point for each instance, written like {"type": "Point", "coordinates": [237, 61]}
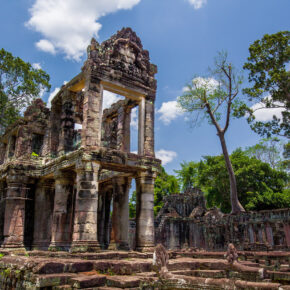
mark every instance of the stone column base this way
{"type": "Point", "coordinates": [146, 248]}
{"type": "Point", "coordinates": [85, 246]}
{"type": "Point", "coordinates": [59, 246]}
{"type": "Point", "coordinates": [122, 246]}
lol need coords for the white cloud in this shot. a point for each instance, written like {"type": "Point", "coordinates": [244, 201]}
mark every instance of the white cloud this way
{"type": "Point", "coordinates": [210, 84]}
{"type": "Point", "coordinates": [46, 46]}
{"type": "Point", "coordinates": [110, 98]}
{"type": "Point", "coordinates": [51, 96]}
{"type": "Point", "coordinates": [169, 111]}
{"type": "Point", "coordinates": [134, 118]}
{"type": "Point", "coordinates": [166, 156]}
{"type": "Point", "coordinates": [68, 26]}
{"type": "Point", "coordinates": [266, 114]}
{"type": "Point", "coordinates": [197, 4]}
{"type": "Point", "coordinates": [36, 65]}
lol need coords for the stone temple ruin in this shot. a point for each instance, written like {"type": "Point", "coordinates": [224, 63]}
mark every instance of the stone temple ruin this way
{"type": "Point", "coordinates": [58, 181]}
{"type": "Point", "coordinates": [64, 170]}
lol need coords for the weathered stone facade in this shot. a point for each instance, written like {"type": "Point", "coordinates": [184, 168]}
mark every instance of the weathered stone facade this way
{"type": "Point", "coordinates": [185, 222]}
{"type": "Point", "coordinates": [62, 169]}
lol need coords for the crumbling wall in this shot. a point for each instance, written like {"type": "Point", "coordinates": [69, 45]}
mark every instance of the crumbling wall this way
{"type": "Point", "coordinates": [213, 230]}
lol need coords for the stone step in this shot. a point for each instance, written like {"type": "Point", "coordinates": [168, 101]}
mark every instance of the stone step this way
{"type": "Point", "coordinates": [202, 273]}
{"type": "Point", "coordinates": [50, 280]}
{"type": "Point", "coordinates": [123, 281]}
{"type": "Point", "coordinates": [86, 281]}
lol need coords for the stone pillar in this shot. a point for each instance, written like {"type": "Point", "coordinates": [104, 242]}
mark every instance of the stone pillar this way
{"type": "Point", "coordinates": [85, 233]}
{"type": "Point", "coordinates": [144, 211]}
{"type": "Point", "coordinates": [2, 152]}
{"type": "Point", "coordinates": [2, 208]}
{"type": "Point", "coordinates": [123, 129]}
{"type": "Point", "coordinates": [67, 124]}
{"type": "Point", "coordinates": [92, 112]}
{"type": "Point", "coordinates": [62, 211]}
{"type": "Point", "coordinates": [149, 128]}
{"type": "Point", "coordinates": [43, 209]}
{"type": "Point", "coordinates": [120, 217]}
{"type": "Point", "coordinates": [141, 126]}
{"type": "Point", "coordinates": [14, 218]}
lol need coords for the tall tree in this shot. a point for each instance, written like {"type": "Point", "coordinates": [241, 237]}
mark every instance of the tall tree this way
{"type": "Point", "coordinates": [216, 98]}
{"type": "Point", "coordinates": [20, 83]}
{"type": "Point", "coordinates": [270, 80]}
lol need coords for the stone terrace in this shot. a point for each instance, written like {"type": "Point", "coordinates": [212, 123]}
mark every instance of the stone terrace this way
{"type": "Point", "coordinates": [134, 270]}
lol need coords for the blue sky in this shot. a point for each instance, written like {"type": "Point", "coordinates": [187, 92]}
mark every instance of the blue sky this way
{"type": "Point", "coordinates": [182, 36]}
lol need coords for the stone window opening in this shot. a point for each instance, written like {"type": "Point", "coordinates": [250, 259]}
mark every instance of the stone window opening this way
{"type": "Point", "coordinates": [37, 143]}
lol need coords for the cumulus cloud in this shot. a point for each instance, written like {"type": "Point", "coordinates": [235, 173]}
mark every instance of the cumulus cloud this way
{"type": "Point", "coordinates": [197, 4]}
{"type": "Point", "coordinates": [45, 46]}
{"type": "Point", "coordinates": [36, 65]}
{"type": "Point", "coordinates": [266, 114]}
{"type": "Point", "coordinates": [110, 98]}
{"type": "Point", "coordinates": [166, 156]}
{"type": "Point", "coordinates": [51, 96]}
{"type": "Point", "coordinates": [68, 26]}
{"type": "Point", "coordinates": [169, 111]}
{"type": "Point", "coordinates": [210, 84]}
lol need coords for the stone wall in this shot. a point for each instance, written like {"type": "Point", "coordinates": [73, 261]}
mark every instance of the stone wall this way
{"type": "Point", "coordinates": [180, 226]}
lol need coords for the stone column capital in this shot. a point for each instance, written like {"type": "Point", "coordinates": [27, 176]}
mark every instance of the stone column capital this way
{"type": "Point", "coordinates": [82, 165]}
{"type": "Point", "coordinates": [62, 176]}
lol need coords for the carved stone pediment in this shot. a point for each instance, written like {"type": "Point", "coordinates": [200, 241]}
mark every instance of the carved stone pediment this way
{"type": "Point", "coordinates": [123, 52]}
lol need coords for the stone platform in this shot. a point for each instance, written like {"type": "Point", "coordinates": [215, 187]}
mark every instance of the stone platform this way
{"type": "Point", "coordinates": [134, 270]}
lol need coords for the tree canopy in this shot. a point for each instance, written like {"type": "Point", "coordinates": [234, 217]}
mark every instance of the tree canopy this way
{"type": "Point", "coordinates": [20, 83]}
{"type": "Point", "coordinates": [259, 186]}
{"type": "Point", "coordinates": [270, 80]}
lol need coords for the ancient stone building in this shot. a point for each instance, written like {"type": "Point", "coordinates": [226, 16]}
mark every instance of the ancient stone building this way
{"type": "Point", "coordinates": [63, 169]}
{"type": "Point", "coordinates": [185, 222]}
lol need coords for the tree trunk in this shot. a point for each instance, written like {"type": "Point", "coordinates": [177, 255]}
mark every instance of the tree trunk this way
{"type": "Point", "coordinates": [236, 206]}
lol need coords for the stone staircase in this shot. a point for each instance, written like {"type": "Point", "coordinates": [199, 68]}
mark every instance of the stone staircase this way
{"type": "Point", "coordinates": [133, 270]}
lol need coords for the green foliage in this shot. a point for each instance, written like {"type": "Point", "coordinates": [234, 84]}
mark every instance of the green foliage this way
{"type": "Point", "coordinates": [20, 83]}
{"type": "Point", "coordinates": [188, 175]}
{"type": "Point", "coordinates": [269, 151]}
{"type": "Point", "coordinates": [270, 81]}
{"type": "Point", "coordinates": [259, 186]}
{"type": "Point", "coordinates": [165, 184]}
{"type": "Point", "coordinates": [132, 205]}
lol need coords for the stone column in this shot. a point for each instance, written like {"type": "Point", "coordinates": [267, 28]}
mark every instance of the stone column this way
{"type": "Point", "coordinates": [149, 128]}
{"type": "Point", "coordinates": [127, 133]}
{"type": "Point", "coordinates": [43, 209]}
{"type": "Point", "coordinates": [67, 124]}
{"type": "Point", "coordinates": [120, 217]}
{"type": "Point", "coordinates": [141, 126]}
{"type": "Point", "coordinates": [123, 129]}
{"type": "Point", "coordinates": [2, 208]}
{"type": "Point", "coordinates": [14, 218]}
{"type": "Point", "coordinates": [144, 211]}
{"type": "Point", "coordinates": [85, 233]}
{"type": "Point", "coordinates": [92, 112]}
{"type": "Point", "coordinates": [61, 221]}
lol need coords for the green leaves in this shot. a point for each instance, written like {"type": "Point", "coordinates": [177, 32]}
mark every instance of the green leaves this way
{"type": "Point", "coordinates": [259, 186]}
{"type": "Point", "coordinates": [269, 77]}
{"type": "Point", "coordinates": [20, 83]}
